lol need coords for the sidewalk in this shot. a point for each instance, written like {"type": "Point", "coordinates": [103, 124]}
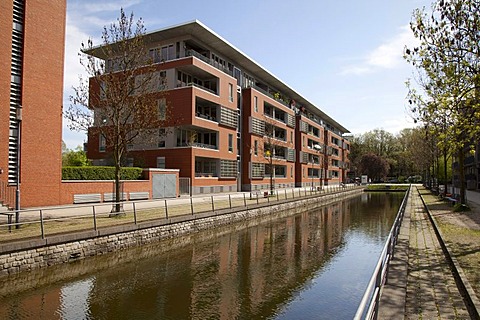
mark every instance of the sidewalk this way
{"type": "Point", "coordinates": [420, 284]}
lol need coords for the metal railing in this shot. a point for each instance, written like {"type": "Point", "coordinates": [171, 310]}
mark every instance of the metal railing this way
{"type": "Point", "coordinates": [43, 222]}
{"type": "Point", "coordinates": [371, 296]}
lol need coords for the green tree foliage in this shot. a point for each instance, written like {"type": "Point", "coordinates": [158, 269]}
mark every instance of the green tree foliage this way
{"type": "Point", "coordinates": [410, 152]}
{"type": "Point", "coordinates": [74, 158]}
{"type": "Point", "coordinates": [445, 96]}
{"type": "Point", "coordinates": [376, 167]}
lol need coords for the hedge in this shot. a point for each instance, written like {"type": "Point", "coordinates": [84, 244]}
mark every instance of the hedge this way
{"type": "Point", "coordinates": [100, 173]}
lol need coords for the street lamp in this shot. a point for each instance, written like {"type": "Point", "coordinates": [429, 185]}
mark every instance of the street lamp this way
{"type": "Point", "coordinates": [19, 152]}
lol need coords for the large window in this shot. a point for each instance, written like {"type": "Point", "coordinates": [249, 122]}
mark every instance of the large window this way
{"type": "Point", "coordinates": [280, 171]}
{"type": "Point", "coordinates": [275, 132]}
{"type": "Point", "coordinates": [206, 167]}
{"type": "Point", "coordinates": [185, 79]}
{"type": "Point", "coordinates": [164, 53]}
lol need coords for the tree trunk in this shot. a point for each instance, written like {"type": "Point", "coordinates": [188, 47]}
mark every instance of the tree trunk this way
{"type": "Point", "coordinates": [445, 181]}
{"type": "Point", "coordinates": [117, 207]}
{"type": "Point", "coordinates": [461, 173]}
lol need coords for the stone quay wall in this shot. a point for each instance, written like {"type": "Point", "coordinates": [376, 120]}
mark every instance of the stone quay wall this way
{"type": "Point", "coordinates": [33, 254]}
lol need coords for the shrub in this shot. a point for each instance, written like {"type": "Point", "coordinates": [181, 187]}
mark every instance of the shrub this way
{"type": "Point", "coordinates": [100, 173]}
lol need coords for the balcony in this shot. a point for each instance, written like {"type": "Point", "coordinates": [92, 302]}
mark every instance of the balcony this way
{"type": "Point", "coordinates": [193, 53]}
{"type": "Point", "coordinates": [206, 110]}
{"type": "Point", "coordinates": [196, 137]}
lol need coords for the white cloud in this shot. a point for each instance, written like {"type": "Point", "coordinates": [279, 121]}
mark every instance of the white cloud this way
{"type": "Point", "coordinates": [388, 55]}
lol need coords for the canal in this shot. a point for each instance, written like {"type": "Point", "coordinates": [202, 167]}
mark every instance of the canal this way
{"type": "Point", "coordinates": [313, 265]}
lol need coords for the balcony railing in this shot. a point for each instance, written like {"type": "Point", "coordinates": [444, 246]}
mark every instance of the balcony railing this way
{"type": "Point", "coordinates": [192, 84]}
{"type": "Point", "coordinates": [206, 116]}
{"type": "Point", "coordinates": [193, 53]}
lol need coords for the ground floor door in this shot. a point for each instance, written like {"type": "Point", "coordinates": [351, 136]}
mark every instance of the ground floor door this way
{"type": "Point", "coordinates": [164, 186]}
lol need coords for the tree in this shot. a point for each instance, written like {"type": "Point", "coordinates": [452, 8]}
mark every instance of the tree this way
{"type": "Point", "coordinates": [448, 64]}
{"type": "Point", "coordinates": [271, 148]}
{"type": "Point", "coordinates": [121, 103]}
{"type": "Point", "coordinates": [374, 166]}
{"type": "Point", "coordinates": [74, 158]}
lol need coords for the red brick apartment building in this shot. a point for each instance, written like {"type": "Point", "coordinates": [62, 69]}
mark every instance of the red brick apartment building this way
{"type": "Point", "coordinates": [32, 37]}
{"type": "Point", "coordinates": [229, 111]}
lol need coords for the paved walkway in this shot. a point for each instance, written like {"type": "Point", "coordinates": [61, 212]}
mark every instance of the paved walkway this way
{"type": "Point", "coordinates": [420, 284]}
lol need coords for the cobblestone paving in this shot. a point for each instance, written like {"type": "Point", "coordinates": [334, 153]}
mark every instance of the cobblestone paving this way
{"type": "Point", "coordinates": [431, 288]}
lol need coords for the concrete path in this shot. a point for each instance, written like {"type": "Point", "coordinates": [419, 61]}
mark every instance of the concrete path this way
{"type": "Point", "coordinates": [420, 284]}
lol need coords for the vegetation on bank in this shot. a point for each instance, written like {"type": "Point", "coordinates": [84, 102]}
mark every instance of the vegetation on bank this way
{"type": "Point", "coordinates": [386, 187]}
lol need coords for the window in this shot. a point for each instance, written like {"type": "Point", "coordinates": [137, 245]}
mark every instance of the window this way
{"type": "Point", "coordinates": [101, 143]}
{"type": "Point", "coordinates": [230, 92]}
{"type": "Point", "coordinates": [163, 54]}
{"type": "Point", "coordinates": [161, 162]}
{"type": "Point", "coordinates": [255, 103]}
{"type": "Point", "coordinates": [161, 138]}
{"type": "Point", "coordinates": [162, 80]}
{"type": "Point", "coordinates": [279, 171]}
{"type": "Point", "coordinates": [291, 171]}
{"type": "Point", "coordinates": [255, 147]}
{"type": "Point", "coordinates": [103, 90]}
{"type": "Point", "coordinates": [230, 142]}
{"type": "Point", "coordinates": [162, 109]}
{"type": "Point", "coordinates": [129, 162]}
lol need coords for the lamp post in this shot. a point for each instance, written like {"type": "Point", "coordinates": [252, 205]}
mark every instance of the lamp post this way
{"type": "Point", "coordinates": [19, 152]}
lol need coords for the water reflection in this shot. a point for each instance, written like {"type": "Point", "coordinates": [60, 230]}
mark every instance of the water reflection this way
{"type": "Point", "coordinates": [309, 265]}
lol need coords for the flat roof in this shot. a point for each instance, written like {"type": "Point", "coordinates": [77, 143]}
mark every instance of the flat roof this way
{"type": "Point", "coordinates": [198, 30]}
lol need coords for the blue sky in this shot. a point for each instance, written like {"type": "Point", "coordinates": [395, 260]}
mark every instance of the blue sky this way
{"type": "Point", "coordinates": [343, 56]}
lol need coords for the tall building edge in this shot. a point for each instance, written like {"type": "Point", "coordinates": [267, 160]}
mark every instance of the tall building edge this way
{"type": "Point", "coordinates": [32, 42]}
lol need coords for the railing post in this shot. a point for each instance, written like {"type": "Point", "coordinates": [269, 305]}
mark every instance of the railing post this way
{"type": "Point", "coordinates": [276, 191]}
{"type": "Point", "coordinates": [293, 193]}
{"type": "Point", "coordinates": [191, 205]}
{"type": "Point", "coordinates": [244, 201]}
{"type": "Point", "coordinates": [166, 209]}
{"type": "Point", "coordinates": [94, 219]}
{"type": "Point", "coordinates": [9, 217]}
{"type": "Point", "coordinates": [285, 194]}
{"type": "Point", "coordinates": [213, 205]}
{"type": "Point", "coordinates": [257, 197]}
{"type": "Point", "coordinates": [41, 225]}
{"type": "Point", "coordinates": [134, 213]}
{"type": "Point", "coordinates": [230, 200]}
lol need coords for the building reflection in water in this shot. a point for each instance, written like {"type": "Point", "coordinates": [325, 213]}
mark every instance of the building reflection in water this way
{"type": "Point", "coordinates": [243, 271]}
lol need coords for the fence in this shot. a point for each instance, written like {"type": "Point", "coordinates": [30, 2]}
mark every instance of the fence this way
{"type": "Point", "coordinates": [371, 296]}
{"type": "Point", "coordinates": [44, 222]}
{"type": "Point", "coordinates": [184, 186]}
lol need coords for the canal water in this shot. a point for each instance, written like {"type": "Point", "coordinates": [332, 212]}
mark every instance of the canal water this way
{"type": "Point", "coordinates": [313, 265]}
